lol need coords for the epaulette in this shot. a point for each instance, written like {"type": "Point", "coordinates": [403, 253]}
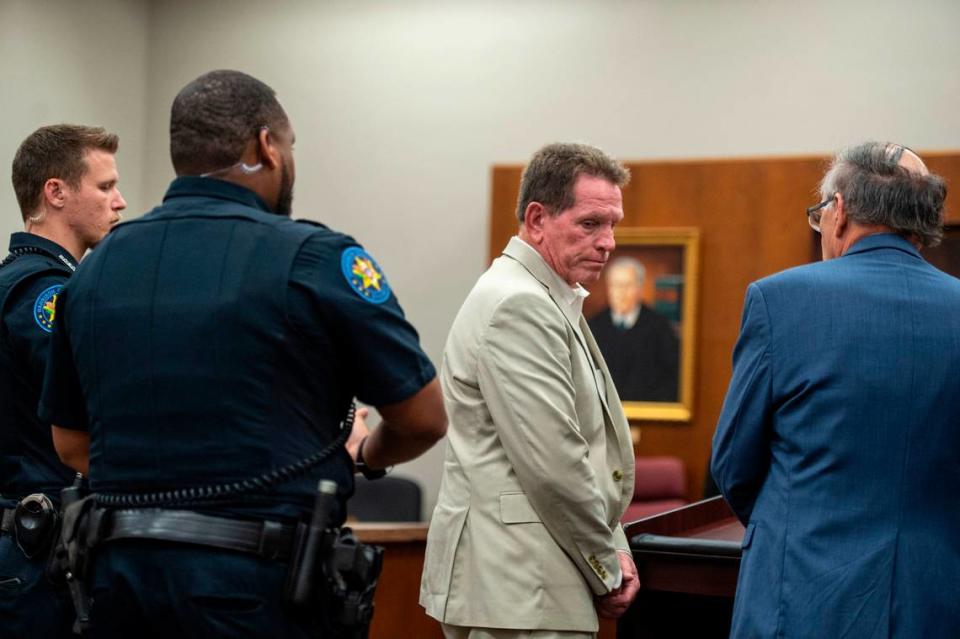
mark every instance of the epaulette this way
{"type": "Point", "coordinates": [312, 223]}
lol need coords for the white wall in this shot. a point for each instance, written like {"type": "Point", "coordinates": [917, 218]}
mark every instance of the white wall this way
{"type": "Point", "coordinates": [400, 108]}
{"type": "Point", "coordinates": [73, 62]}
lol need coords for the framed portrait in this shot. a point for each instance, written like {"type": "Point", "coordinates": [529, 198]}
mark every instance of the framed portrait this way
{"type": "Point", "coordinates": [643, 314]}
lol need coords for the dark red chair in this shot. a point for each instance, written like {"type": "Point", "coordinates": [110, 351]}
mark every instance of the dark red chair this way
{"type": "Point", "coordinates": [660, 485]}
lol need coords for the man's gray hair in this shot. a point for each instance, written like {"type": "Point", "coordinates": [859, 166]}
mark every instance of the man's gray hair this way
{"type": "Point", "coordinates": [553, 170]}
{"type": "Point", "coordinates": [878, 190]}
{"type": "Point", "coordinates": [625, 261]}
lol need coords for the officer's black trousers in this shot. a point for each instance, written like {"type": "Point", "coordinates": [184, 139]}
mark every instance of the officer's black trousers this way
{"type": "Point", "coordinates": [29, 606]}
{"type": "Point", "coordinates": [149, 589]}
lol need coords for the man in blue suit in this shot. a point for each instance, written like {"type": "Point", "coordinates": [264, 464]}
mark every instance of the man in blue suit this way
{"type": "Point", "coordinates": [839, 441]}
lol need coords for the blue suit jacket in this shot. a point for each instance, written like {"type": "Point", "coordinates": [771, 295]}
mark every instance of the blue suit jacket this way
{"type": "Point", "coordinates": [839, 448]}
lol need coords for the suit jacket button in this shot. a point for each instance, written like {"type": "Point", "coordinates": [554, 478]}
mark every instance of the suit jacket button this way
{"type": "Point", "coordinates": [617, 475]}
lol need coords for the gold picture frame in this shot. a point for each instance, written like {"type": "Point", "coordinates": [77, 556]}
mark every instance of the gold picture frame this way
{"type": "Point", "coordinates": [653, 341]}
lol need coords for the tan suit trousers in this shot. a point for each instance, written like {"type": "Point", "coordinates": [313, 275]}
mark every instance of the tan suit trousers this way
{"type": "Point", "coordinates": [464, 632]}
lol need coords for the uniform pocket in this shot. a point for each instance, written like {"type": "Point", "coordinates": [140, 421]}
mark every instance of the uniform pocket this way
{"type": "Point", "coordinates": [515, 508]}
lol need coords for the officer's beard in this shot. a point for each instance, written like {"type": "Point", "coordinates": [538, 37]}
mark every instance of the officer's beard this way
{"type": "Point", "coordinates": [285, 196]}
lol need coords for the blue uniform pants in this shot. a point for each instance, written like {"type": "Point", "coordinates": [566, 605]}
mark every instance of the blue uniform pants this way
{"type": "Point", "coordinates": [29, 606]}
{"type": "Point", "coordinates": [149, 589]}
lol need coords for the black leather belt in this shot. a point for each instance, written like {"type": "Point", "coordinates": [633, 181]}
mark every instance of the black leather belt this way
{"type": "Point", "coordinates": [6, 522]}
{"type": "Point", "coordinates": [268, 539]}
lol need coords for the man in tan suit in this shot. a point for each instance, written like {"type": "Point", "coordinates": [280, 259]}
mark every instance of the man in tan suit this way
{"type": "Point", "coordinates": [539, 467]}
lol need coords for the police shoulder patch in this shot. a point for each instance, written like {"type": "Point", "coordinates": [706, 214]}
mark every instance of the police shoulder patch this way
{"type": "Point", "coordinates": [364, 275]}
{"type": "Point", "coordinates": [45, 308]}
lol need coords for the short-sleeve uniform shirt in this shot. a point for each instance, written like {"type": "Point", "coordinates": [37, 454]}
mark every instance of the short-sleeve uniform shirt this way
{"type": "Point", "coordinates": [31, 278]}
{"type": "Point", "coordinates": [212, 340]}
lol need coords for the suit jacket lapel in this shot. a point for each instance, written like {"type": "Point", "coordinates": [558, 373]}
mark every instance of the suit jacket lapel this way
{"type": "Point", "coordinates": [534, 263]}
{"type": "Point", "coordinates": [597, 358]}
{"type": "Point", "coordinates": [615, 421]}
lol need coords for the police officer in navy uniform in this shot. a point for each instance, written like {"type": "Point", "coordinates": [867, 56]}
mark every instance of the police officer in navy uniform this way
{"type": "Point", "coordinates": [65, 179]}
{"type": "Point", "coordinates": [213, 340]}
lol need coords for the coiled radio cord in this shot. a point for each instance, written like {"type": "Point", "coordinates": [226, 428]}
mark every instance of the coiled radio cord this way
{"type": "Point", "coordinates": [20, 252]}
{"type": "Point", "coordinates": [218, 493]}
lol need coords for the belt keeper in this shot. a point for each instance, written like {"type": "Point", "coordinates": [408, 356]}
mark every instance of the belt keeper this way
{"type": "Point", "coordinates": [271, 540]}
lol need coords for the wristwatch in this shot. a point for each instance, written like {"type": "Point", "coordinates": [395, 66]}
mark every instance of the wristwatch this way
{"type": "Point", "coordinates": [362, 467]}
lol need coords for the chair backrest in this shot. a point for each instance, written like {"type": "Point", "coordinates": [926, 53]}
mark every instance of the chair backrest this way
{"type": "Point", "coordinates": [387, 499]}
{"type": "Point", "coordinates": [660, 477]}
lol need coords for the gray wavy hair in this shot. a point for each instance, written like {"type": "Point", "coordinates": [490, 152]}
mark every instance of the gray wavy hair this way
{"type": "Point", "coordinates": [878, 189]}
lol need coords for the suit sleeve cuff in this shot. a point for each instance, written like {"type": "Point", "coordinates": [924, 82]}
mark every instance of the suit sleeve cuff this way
{"type": "Point", "coordinates": [620, 540]}
{"type": "Point", "coordinates": [606, 572]}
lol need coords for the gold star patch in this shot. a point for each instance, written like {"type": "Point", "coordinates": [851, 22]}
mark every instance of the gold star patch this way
{"type": "Point", "coordinates": [367, 272]}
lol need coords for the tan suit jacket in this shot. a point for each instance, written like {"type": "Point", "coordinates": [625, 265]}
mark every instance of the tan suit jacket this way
{"type": "Point", "coordinates": [539, 464]}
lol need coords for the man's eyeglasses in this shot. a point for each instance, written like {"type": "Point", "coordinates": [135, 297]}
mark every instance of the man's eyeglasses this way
{"type": "Point", "coordinates": [815, 212]}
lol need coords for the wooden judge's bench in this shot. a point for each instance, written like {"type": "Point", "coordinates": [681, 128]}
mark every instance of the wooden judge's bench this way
{"type": "Point", "coordinates": [687, 559]}
{"type": "Point", "coordinates": [397, 613]}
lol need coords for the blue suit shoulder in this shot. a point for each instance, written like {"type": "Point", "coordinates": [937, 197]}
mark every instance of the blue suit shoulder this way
{"type": "Point", "coordinates": [851, 266]}
{"type": "Point", "coordinates": [802, 275]}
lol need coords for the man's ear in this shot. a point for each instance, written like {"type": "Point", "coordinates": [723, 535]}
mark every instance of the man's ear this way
{"type": "Point", "coordinates": [840, 213]}
{"type": "Point", "coordinates": [533, 219]}
{"type": "Point", "coordinates": [54, 193]}
{"type": "Point", "coordinates": [269, 151]}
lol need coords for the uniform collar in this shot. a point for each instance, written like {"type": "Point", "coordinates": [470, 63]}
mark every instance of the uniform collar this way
{"type": "Point", "coordinates": [23, 239]}
{"type": "Point", "coordinates": [190, 186]}
{"type": "Point", "coordinates": [881, 241]}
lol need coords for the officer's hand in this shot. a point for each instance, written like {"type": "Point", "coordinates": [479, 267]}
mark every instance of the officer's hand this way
{"type": "Point", "coordinates": [615, 603]}
{"type": "Point", "coordinates": [359, 431]}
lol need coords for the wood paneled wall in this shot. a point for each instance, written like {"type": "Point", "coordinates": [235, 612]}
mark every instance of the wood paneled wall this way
{"type": "Point", "coordinates": [750, 213]}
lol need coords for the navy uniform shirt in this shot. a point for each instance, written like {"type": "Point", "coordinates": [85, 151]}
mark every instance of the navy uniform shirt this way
{"type": "Point", "coordinates": [212, 340]}
{"type": "Point", "coordinates": [30, 282]}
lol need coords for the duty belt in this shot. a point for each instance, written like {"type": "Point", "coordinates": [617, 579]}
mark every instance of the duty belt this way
{"type": "Point", "coordinates": [6, 521]}
{"type": "Point", "coordinates": [268, 539]}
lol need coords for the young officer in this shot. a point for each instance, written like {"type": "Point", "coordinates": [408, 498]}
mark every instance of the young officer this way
{"type": "Point", "coordinates": [65, 179]}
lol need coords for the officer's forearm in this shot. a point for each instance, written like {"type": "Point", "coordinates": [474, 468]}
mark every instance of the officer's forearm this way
{"type": "Point", "coordinates": [409, 428]}
{"type": "Point", "coordinates": [73, 447]}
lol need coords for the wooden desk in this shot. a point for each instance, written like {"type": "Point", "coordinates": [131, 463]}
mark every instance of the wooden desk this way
{"type": "Point", "coordinates": [678, 587]}
{"type": "Point", "coordinates": [397, 612]}
{"type": "Point", "coordinates": [688, 560]}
